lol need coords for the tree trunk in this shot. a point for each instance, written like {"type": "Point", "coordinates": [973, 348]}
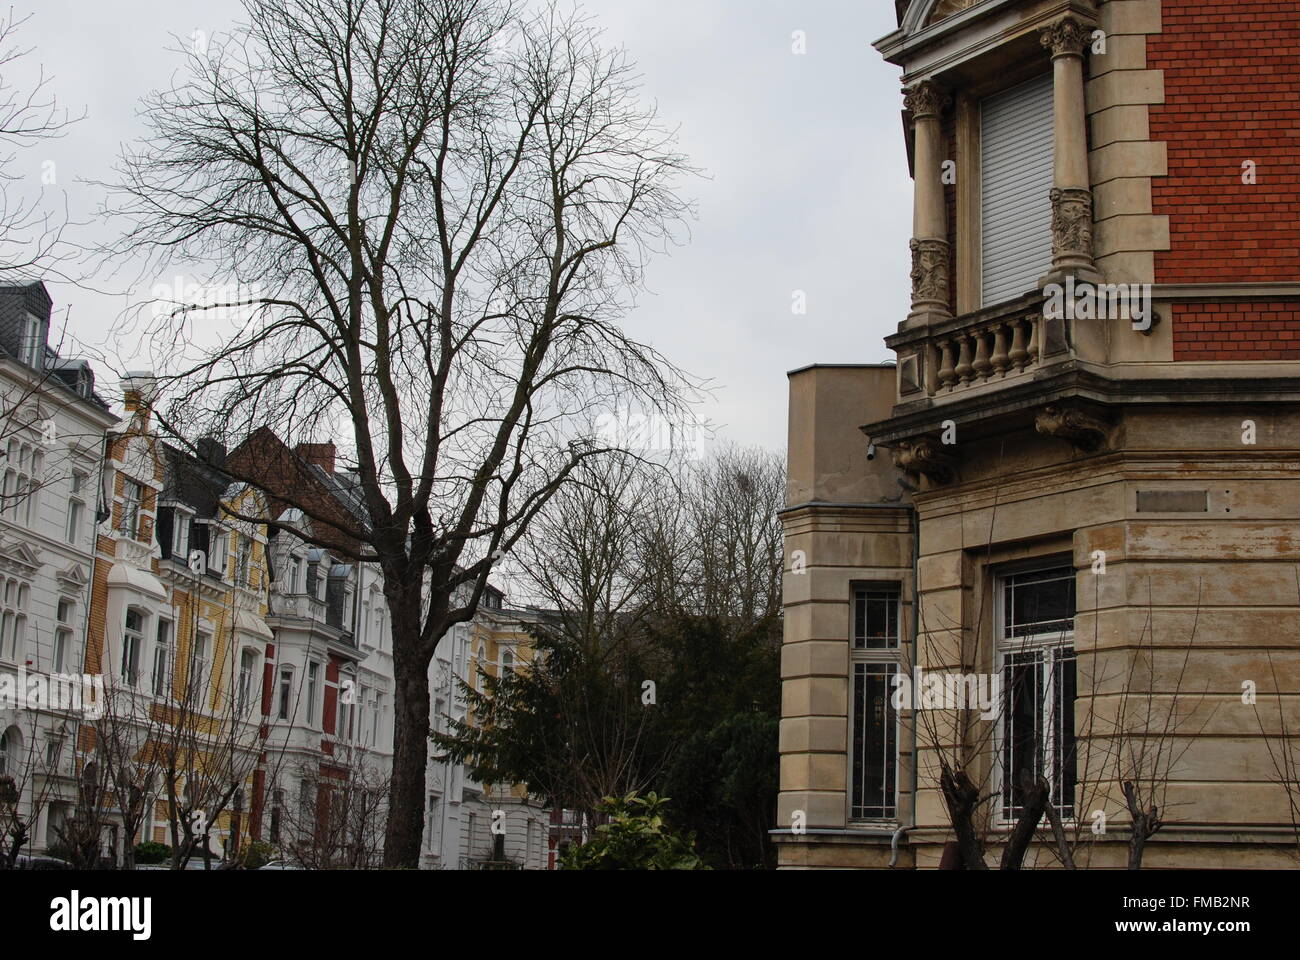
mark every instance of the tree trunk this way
{"type": "Point", "coordinates": [1036, 796]}
{"type": "Point", "coordinates": [962, 797]}
{"type": "Point", "coordinates": [405, 827]}
{"type": "Point", "coordinates": [1145, 824]}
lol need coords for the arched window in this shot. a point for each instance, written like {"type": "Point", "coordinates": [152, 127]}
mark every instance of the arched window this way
{"type": "Point", "coordinates": [507, 663]}
{"type": "Point", "coordinates": [10, 748]}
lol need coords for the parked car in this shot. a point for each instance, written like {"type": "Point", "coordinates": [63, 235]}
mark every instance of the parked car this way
{"type": "Point", "coordinates": [279, 865]}
{"type": "Point", "coordinates": [27, 862]}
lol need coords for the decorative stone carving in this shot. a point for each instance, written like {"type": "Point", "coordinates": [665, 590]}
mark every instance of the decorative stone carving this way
{"type": "Point", "coordinates": [926, 99]}
{"type": "Point", "coordinates": [924, 456]}
{"type": "Point", "coordinates": [1070, 423]}
{"type": "Point", "coordinates": [929, 271]}
{"type": "Point", "coordinates": [1066, 37]}
{"type": "Point", "coordinates": [1072, 226]}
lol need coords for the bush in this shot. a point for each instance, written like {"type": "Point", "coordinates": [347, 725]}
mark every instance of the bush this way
{"type": "Point", "coordinates": [634, 837]}
{"type": "Point", "coordinates": [256, 855]}
{"type": "Point", "coordinates": [150, 852]}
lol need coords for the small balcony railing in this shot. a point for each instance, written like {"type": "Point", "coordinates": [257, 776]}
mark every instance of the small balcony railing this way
{"type": "Point", "coordinates": [1004, 343]}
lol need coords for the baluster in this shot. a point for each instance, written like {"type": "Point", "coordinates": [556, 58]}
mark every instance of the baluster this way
{"type": "Point", "coordinates": [999, 358]}
{"type": "Point", "coordinates": [981, 364]}
{"type": "Point", "coordinates": [1033, 342]}
{"type": "Point", "coordinates": [964, 368]}
{"type": "Point", "coordinates": [947, 375]}
{"type": "Point", "coordinates": [1018, 355]}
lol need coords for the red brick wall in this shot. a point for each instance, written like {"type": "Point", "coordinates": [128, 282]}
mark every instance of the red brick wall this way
{"type": "Point", "coordinates": [1236, 331]}
{"type": "Point", "coordinates": [1232, 89]}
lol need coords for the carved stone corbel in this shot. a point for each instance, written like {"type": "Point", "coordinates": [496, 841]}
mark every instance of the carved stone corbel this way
{"type": "Point", "coordinates": [924, 456]}
{"type": "Point", "coordinates": [1085, 431]}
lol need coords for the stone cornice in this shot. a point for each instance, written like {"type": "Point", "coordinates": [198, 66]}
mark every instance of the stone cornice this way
{"type": "Point", "coordinates": [1069, 381]}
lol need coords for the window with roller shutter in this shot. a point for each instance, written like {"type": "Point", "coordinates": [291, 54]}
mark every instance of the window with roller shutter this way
{"type": "Point", "coordinates": [1015, 187]}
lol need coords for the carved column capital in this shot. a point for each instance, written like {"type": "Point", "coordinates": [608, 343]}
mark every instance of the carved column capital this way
{"type": "Point", "coordinates": [1066, 37]}
{"type": "Point", "coordinates": [926, 99]}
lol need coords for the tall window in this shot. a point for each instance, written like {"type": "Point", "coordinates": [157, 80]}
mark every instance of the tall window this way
{"type": "Point", "coordinates": [30, 350]}
{"type": "Point", "coordinates": [247, 667]}
{"type": "Point", "coordinates": [1016, 155]}
{"type": "Point", "coordinates": [132, 641]}
{"type": "Point", "coordinates": [343, 730]}
{"type": "Point", "coordinates": [21, 481]}
{"type": "Point", "coordinates": [277, 814]}
{"type": "Point", "coordinates": [507, 663]}
{"type": "Point", "coordinates": [76, 509]}
{"type": "Point", "coordinates": [62, 635]}
{"type": "Point", "coordinates": [1036, 651]}
{"type": "Point", "coordinates": [8, 745]}
{"type": "Point", "coordinates": [162, 659]}
{"type": "Point", "coordinates": [243, 559]}
{"type": "Point", "coordinates": [180, 535]}
{"type": "Point", "coordinates": [220, 541]}
{"type": "Point", "coordinates": [132, 498]}
{"type": "Point", "coordinates": [198, 678]}
{"type": "Point", "coordinates": [286, 692]}
{"type": "Point", "coordinates": [874, 659]}
{"type": "Point", "coordinates": [13, 619]}
{"type": "Point", "coordinates": [313, 689]}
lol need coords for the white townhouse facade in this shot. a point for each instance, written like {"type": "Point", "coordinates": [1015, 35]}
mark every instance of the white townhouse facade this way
{"type": "Point", "coordinates": [52, 435]}
{"type": "Point", "coordinates": [468, 824]}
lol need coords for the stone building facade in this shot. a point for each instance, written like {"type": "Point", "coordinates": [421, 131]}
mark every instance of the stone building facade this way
{"type": "Point", "coordinates": [53, 427]}
{"type": "Point", "coordinates": [1073, 502]}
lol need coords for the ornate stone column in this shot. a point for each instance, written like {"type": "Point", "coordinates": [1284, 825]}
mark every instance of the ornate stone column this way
{"type": "Point", "coordinates": [1071, 193]}
{"type": "Point", "coordinates": [930, 254]}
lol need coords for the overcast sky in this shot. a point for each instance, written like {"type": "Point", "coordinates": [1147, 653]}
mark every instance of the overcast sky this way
{"type": "Point", "coordinates": [807, 185]}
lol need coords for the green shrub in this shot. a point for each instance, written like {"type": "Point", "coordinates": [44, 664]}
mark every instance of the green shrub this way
{"type": "Point", "coordinates": [634, 837]}
{"type": "Point", "coordinates": [150, 852]}
{"type": "Point", "coordinates": [256, 855]}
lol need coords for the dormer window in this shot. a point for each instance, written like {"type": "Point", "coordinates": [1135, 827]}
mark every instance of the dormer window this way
{"type": "Point", "coordinates": [31, 349]}
{"type": "Point", "coordinates": [180, 535]}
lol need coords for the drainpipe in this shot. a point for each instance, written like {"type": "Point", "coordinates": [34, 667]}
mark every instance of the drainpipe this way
{"type": "Point", "coordinates": [916, 619]}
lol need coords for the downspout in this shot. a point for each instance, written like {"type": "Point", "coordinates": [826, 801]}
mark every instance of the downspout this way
{"type": "Point", "coordinates": [915, 626]}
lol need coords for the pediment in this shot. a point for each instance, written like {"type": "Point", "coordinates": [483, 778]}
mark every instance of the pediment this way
{"type": "Point", "coordinates": [20, 554]}
{"type": "Point", "coordinates": [74, 577]}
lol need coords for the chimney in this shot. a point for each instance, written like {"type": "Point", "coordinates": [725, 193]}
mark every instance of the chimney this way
{"type": "Point", "coordinates": [321, 454]}
{"type": "Point", "coordinates": [139, 388]}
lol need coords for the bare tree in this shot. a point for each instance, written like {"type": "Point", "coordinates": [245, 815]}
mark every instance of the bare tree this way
{"type": "Point", "coordinates": [337, 822]}
{"type": "Point", "coordinates": [30, 237]}
{"type": "Point", "coordinates": [442, 207]}
{"type": "Point", "coordinates": [26, 783]}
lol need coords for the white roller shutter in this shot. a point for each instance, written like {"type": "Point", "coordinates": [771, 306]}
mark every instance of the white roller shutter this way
{"type": "Point", "coordinates": [1015, 183]}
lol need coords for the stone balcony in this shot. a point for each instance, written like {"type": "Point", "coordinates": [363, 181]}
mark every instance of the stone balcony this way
{"type": "Point", "coordinates": [978, 351]}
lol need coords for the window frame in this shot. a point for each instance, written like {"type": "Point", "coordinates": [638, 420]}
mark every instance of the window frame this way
{"type": "Point", "coordinates": [132, 643]}
{"type": "Point", "coordinates": [884, 660]}
{"type": "Point", "coordinates": [164, 635]}
{"type": "Point", "coordinates": [1049, 646]}
{"type": "Point", "coordinates": [131, 507]}
{"type": "Point", "coordinates": [313, 690]}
